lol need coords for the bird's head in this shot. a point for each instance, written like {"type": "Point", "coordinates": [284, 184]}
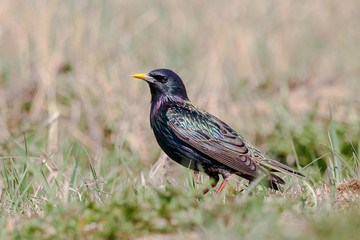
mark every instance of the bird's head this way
{"type": "Point", "coordinates": [164, 83]}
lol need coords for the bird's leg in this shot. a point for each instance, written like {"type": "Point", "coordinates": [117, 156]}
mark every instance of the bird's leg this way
{"type": "Point", "coordinates": [216, 178]}
{"type": "Point", "coordinates": [206, 190]}
{"type": "Point", "coordinates": [223, 184]}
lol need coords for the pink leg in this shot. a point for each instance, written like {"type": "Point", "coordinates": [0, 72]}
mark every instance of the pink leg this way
{"type": "Point", "coordinates": [206, 190]}
{"type": "Point", "coordinates": [223, 184]}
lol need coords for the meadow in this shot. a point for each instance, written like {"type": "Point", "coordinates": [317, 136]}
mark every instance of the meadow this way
{"type": "Point", "coordinates": [78, 159]}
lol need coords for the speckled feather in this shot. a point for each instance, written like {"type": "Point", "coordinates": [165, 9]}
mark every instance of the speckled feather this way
{"type": "Point", "coordinates": [211, 136]}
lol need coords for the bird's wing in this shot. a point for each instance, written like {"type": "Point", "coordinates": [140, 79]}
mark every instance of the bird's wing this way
{"type": "Point", "coordinates": [212, 137]}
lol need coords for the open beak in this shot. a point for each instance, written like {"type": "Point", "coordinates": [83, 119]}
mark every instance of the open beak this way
{"type": "Point", "coordinates": [144, 77]}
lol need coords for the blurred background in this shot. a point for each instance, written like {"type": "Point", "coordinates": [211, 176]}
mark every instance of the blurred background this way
{"type": "Point", "coordinates": [270, 69]}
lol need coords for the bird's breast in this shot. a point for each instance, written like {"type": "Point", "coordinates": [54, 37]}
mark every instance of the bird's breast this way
{"type": "Point", "coordinates": [172, 145]}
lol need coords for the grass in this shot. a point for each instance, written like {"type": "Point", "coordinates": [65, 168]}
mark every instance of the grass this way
{"type": "Point", "coordinates": [78, 159]}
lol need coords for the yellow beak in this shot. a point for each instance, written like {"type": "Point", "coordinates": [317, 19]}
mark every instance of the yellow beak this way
{"type": "Point", "coordinates": [142, 76]}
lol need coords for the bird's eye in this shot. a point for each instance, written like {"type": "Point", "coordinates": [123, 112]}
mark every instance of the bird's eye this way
{"type": "Point", "coordinates": [162, 79]}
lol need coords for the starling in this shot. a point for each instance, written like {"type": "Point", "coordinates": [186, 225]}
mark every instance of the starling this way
{"type": "Point", "coordinates": [200, 141]}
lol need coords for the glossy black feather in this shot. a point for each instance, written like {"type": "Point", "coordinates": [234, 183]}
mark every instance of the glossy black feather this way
{"type": "Point", "coordinates": [200, 141]}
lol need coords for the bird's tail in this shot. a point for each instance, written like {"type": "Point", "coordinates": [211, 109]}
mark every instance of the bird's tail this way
{"type": "Point", "coordinates": [279, 167]}
{"type": "Point", "coordinates": [268, 179]}
{"type": "Point", "coordinates": [273, 180]}
{"type": "Point", "coordinates": [265, 161]}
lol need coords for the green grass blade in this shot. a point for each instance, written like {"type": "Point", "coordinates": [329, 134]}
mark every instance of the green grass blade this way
{"type": "Point", "coordinates": [8, 182]}
{"type": "Point", "coordinates": [335, 148]}
{"type": "Point", "coordinates": [18, 188]}
{"type": "Point", "coordinates": [356, 158]}
{"type": "Point", "coordinates": [73, 175]}
{"type": "Point", "coordinates": [95, 177]}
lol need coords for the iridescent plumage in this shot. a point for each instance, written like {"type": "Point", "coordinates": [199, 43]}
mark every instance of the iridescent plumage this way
{"type": "Point", "coordinates": [200, 141]}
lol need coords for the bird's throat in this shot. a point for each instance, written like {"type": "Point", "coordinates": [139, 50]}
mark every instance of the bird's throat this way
{"type": "Point", "coordinates": [157, 102]}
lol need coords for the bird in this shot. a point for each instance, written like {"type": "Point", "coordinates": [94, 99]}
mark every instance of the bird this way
{"type": "Point", "coordinates": [200, 141]}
